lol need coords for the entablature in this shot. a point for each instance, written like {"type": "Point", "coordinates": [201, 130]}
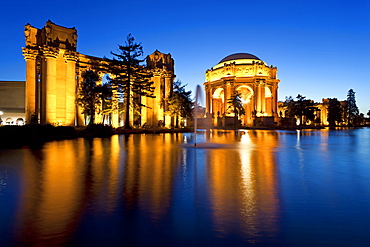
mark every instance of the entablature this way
{"type": "Point", "coordinates": [241, 70]}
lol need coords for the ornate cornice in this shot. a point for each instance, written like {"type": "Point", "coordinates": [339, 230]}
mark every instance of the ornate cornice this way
{"type": "Point", "coordinates": [29, 54]}
{"type": "Point", "coordinates": [50, 52]}
{"type": "Point", "coordinates": [70, 56]}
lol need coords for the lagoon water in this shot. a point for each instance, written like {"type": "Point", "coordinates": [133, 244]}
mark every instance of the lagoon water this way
{"type": "Point", "coordinates": [241, 188]}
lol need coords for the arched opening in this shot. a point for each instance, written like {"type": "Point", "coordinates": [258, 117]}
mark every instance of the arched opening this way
{"type": "Point", "coordinates": [20, 121]}
{"type": "Point", "coordinates": [218, 102]}
{"type": "Point", "coordinates": [246, 94]}
{"type": "Point", "coordinates": [9, 121]}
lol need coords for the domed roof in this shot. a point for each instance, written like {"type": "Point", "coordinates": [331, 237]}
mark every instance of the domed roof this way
{"type": "Point", "coordinates": [238, 56]}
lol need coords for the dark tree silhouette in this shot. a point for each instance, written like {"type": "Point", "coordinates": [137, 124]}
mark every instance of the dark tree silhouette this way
{"type": "Point", "coordinates": [291, 107]}
{"type": "Point", "coordinates": [89, 94]}
{"type": "Point", "coordinates": [179, 102]}
{"type": "Point", "coordinates": [301, 108]}
{"type": "Point", "coordinates": [335, 112]}
{"type": "Point", "coordinates": [304, 108]}
{"type": "Point", "coordinates": [105, 96]}
{"type": "Point", "coordinates": [235, 102]}
{"type": "Point", "coordinates": [352, 109]}
{"type": "Point", "coordinates": [130, 78]}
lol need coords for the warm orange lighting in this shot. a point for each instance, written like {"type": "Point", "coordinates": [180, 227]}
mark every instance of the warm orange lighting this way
{"type": "Point", "coordinates": [247, 178]}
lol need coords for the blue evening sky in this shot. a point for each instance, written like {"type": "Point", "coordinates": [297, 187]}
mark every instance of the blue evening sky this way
{"type": "Point", "coordinates": [321, 48]}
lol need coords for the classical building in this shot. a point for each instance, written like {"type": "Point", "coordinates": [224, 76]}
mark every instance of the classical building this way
{"type": "Point", "coordinates": [53, 73]}
{"type": "Point", "coordinates": [12, 95]}
{"type": "Point", "coordinates": [321, 114]}
{"type": "Point", "coordinates": [253, 79]}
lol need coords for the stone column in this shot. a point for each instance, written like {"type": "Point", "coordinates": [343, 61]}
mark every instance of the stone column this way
{"type": "Point", "coordinates": [227, 94]}
{"type": "Point", "coordinates": [70, 59]}
{"type": "Point", "coordinates": [80, 118]}
{"type": "Point", "coordinates": [208, 99]}
{"type": "Point", "coordinates": [258, 98]}
{"type": "Point", "coordinates": [274, 100]}
{"type": "Point", "coordinates": [168, 84]}
{"type": "Point", "coordinates": [31, 83]}
{"type": "Point", "coordinates": [224, 100]}
{"type": "Point", "coordinates": [263, 98]}
{"type": "Point", "coordinates": [156, 102]}
{"type": "Point", "coordinates": [144, 111]}
{"type": "Point", "coordinates": [115, 122]}
{"type": "Point", "coordinates": [49, 94]}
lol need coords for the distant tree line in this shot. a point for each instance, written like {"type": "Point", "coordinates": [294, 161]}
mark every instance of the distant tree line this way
{"type": "Point", "coordinates": [306, 111]}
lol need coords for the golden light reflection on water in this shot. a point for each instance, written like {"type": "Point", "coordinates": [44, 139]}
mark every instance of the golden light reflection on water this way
{"type": "Point", "coordinates": [149, 173]}
{"type": "Point", "coordinates": [244, 180]}
{"type": "Point", "coordinates": [52, 194]}
{"type": "Point", "coordinates": [58, 182]}
{"type": "Point", "coordinates": [138, 172]}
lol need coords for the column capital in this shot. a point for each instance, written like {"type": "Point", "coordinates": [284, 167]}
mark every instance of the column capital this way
{"type": "Point", "coordinates": [156, 72]}
{"type": "Point", "coordinates": [260, 82]}
{"type": "Point", "coordinates": [29, 54]}
{"type": "Point", "coordinates": [167, 74]}
{"type": "Point", "coordinates": [50, 52]}
{"type": "Point", "coordinates": [70, 56]}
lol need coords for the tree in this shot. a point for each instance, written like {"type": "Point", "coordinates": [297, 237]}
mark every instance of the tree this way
{"type": "Point", "coordinates": [352, 109]}
{"type": "Point", "coordinates": [335, 112]}
{"type": "Point", "coordinates": [302, 108]}
{"type": "Point", "coordinates": [361, 119]}
{"type": "Point", "coordinates": [291, 107]}
{"type": "Point", "coordinates": [305, 107]}
{"type": "Point", "coordinates": [106, 100]}
{"type": "Point", "coordinates": [179, 102]}
{"type": "Point", "coordinates": [236, 103]}
{"type": "Point", "coordinates": [130, 78]}
{"type": "Point", "coordinates": [89, 94]}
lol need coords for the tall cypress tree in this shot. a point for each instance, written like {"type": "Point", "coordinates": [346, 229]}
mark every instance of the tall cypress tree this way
{"type": "Point", "coordinates": [335, 112]}
{"type": "Point", "coordinates": [130, 78]}
{"type": "Point", "coordinates": [352, 109]}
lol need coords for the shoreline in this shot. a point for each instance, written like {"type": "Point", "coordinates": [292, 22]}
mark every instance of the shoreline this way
{"type": "Point", "coordinates": [18, 136]}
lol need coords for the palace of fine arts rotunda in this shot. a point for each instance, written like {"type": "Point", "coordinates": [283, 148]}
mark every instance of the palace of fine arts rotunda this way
{"type": "Point", "coordinates": [253, 80]}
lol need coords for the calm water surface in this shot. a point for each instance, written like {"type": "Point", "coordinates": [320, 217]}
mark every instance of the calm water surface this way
{"type": "Point", "coordinates": [251, 188]}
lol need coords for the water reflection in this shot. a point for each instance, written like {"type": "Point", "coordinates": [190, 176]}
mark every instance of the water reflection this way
{"type": "Point", "coordinates": [150, 185]}
{"type": "Point", "coordinates": [52, 195]}
{"type": "Point", "coordinates": [243, 185]}
{"type": "Point", "coordinates": [149, 172]}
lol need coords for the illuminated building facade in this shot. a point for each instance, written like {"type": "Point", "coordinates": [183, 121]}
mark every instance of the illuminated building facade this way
{"type": "Point", "coordinates": [321, 114]}
{"type": "Point", "coordinates": [12, 111]}
{"type": "Point", "coordinates": [253, 79]}
{"type": "Point", "coordinates": [53, 73]}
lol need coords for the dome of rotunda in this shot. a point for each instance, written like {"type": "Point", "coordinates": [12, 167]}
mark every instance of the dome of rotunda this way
{"type": "Point", "coordinates": [239, 56]}
{"type": "Point", "coordinates": [238, 59]}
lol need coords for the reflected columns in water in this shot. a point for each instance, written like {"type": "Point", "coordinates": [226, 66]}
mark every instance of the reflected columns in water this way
{"type": "Point", "coordinates": [149, 172]}
{"type": "Point", "coordinates": [245, 180]}
{"type": "Point", "coordinates": [52, 194]}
